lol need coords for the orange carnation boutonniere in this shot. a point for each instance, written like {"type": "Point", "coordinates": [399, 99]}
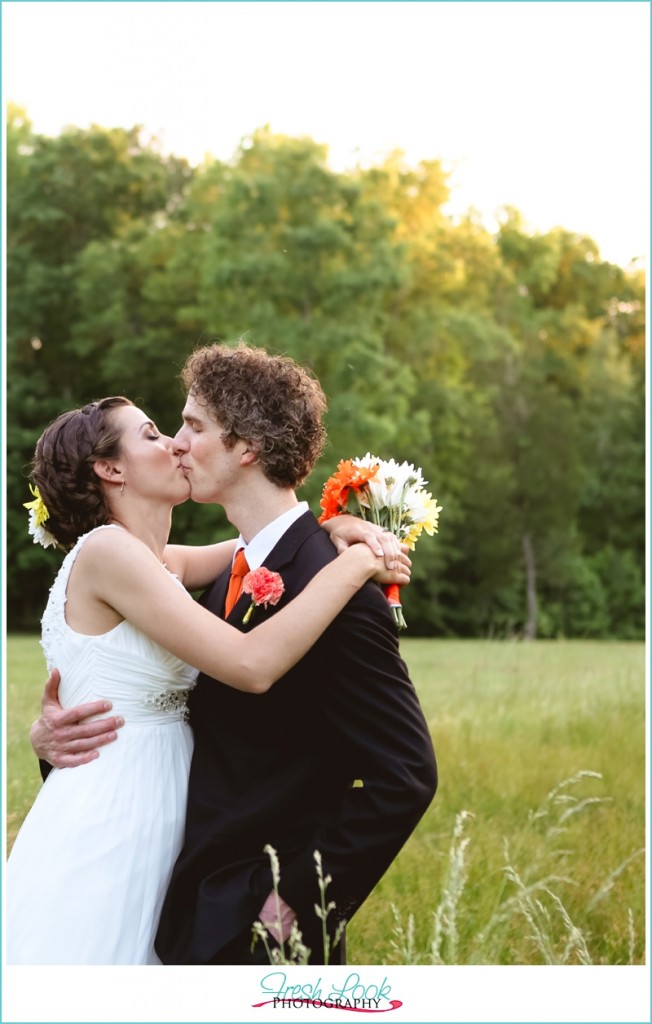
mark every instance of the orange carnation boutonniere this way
{"type": "Point", "coordinates": [387, 493]}
{"type": "Point", "coordinates": [265, 588]}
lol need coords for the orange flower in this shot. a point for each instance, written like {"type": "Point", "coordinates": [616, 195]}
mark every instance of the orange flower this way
{"type": "Point", "coordinates": [337, 488]}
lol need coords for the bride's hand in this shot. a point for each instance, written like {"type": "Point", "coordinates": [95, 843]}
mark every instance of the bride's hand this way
{"type": "Point", "coordinates": [400, 571]}
{"type": "Point", "coordinates": [345, 530]}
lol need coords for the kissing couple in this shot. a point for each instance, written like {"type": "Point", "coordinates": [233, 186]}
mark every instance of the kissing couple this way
{"type": "Point", "coordinates": [236, 726]}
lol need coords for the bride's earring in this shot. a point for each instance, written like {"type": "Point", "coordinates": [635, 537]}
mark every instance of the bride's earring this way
{"type": "Point", "coordinates": [122, 488]}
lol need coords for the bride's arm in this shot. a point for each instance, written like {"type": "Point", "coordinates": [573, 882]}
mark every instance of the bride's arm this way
{"type": "Point", "coordinates": [346, 529]}
{"type": "Point", "coordinates": [197, 566]}
{"type": "Point", "coordinates": [137, 586]}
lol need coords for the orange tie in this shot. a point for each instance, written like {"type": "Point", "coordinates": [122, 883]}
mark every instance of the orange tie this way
{"type": "Point", "coordinates": [238, 572]}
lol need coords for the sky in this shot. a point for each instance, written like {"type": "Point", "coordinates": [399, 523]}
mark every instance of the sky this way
{"type": "Point", "coordinates": [543, 106]}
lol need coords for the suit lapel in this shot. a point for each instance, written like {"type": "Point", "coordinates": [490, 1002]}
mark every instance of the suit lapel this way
{"type": "Point", "coordinates": [292, 540]}
{"type": "Point", "coordinates": [280, 560]}
{"type": "Point", "coordinates": [215, 596]}
{"type": "Point", "coordinates": [279, 557]}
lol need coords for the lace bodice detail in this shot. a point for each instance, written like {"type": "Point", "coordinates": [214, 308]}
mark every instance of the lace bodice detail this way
{"type": "Point", "coordinates": [145, 682]}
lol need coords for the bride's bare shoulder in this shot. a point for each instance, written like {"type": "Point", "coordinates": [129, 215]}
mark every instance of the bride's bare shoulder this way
{"type": "Point", "coordinates": [111, 542]}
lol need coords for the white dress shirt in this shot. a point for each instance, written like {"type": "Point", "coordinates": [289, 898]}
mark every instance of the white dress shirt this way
{"type": "Point", "coordinates": [258, 548]}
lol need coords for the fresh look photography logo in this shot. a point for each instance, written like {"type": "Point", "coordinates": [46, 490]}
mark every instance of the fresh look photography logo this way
{"type": "Point", "coordinates": [368, 996]}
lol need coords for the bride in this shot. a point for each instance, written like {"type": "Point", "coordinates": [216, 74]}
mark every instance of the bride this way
{"type": "Point", "coordinates": [90, 865]}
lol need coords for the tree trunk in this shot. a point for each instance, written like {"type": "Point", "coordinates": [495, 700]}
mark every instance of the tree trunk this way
{"type": "Point", "coordinates": [530, 632]}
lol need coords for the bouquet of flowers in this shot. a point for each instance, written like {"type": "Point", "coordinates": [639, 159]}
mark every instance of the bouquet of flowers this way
{"type": "Point", "coordinates": [386, 493]}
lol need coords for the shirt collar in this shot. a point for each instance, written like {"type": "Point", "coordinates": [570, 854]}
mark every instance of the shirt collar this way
{"type": "Point", "coordinates": [266, 539]}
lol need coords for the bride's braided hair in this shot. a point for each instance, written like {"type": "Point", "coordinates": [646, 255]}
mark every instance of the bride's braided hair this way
{"type": "Point", "coordinates": [62, 468]}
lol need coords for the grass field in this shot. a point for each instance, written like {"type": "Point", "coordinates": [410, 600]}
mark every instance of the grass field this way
{"type": "Point", "coordinates": [532, 851]}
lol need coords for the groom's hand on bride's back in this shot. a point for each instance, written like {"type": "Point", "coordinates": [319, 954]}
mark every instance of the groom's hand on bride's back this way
{"type": "Point", "coordinates": [63, 736]}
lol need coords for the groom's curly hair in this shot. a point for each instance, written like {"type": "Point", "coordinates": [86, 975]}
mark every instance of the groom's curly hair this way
{"type": "Point", "coordinates": [269, 401]}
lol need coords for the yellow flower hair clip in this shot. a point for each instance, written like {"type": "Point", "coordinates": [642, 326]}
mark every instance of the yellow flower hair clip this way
{"type": "Point", "coordinates": [38, 514]}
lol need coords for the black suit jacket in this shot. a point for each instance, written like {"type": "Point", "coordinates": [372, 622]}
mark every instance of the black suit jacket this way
{"type": "Point", "coordinates": [279, 769]}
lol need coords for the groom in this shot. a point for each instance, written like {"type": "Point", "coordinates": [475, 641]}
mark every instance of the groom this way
{"type": "Point", "coordinates": [336, 757]}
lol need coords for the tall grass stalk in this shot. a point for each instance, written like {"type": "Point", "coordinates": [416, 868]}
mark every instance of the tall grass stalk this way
{"type": "Point", "coordinates": [324, 909]}
{"type": "Point", "coordinates": [555, 938]}
{"type": "Point", "coordinates": [443, 946]}
{"type": "Point", "coordinates": [297, 953]}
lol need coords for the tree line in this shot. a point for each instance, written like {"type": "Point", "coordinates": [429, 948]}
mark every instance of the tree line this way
{"type": "Point", "coordinates": [510, 366]}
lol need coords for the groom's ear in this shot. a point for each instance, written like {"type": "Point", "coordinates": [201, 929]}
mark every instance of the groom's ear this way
{"type": "Point", "coordinates": [107, 470]}
{"type": "Point", "coordinates": [248, 456]}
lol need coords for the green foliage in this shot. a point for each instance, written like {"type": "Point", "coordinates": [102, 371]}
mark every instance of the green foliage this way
{"type": "Point", "coordinates": [509, 367]}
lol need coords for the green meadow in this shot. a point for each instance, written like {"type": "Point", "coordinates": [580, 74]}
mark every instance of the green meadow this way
{"type": "Point", "coordinates": [533, 849]}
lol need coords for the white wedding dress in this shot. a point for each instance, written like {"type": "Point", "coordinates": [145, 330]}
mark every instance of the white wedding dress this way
{"type": "Point", "coordinates": [90, 866]}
